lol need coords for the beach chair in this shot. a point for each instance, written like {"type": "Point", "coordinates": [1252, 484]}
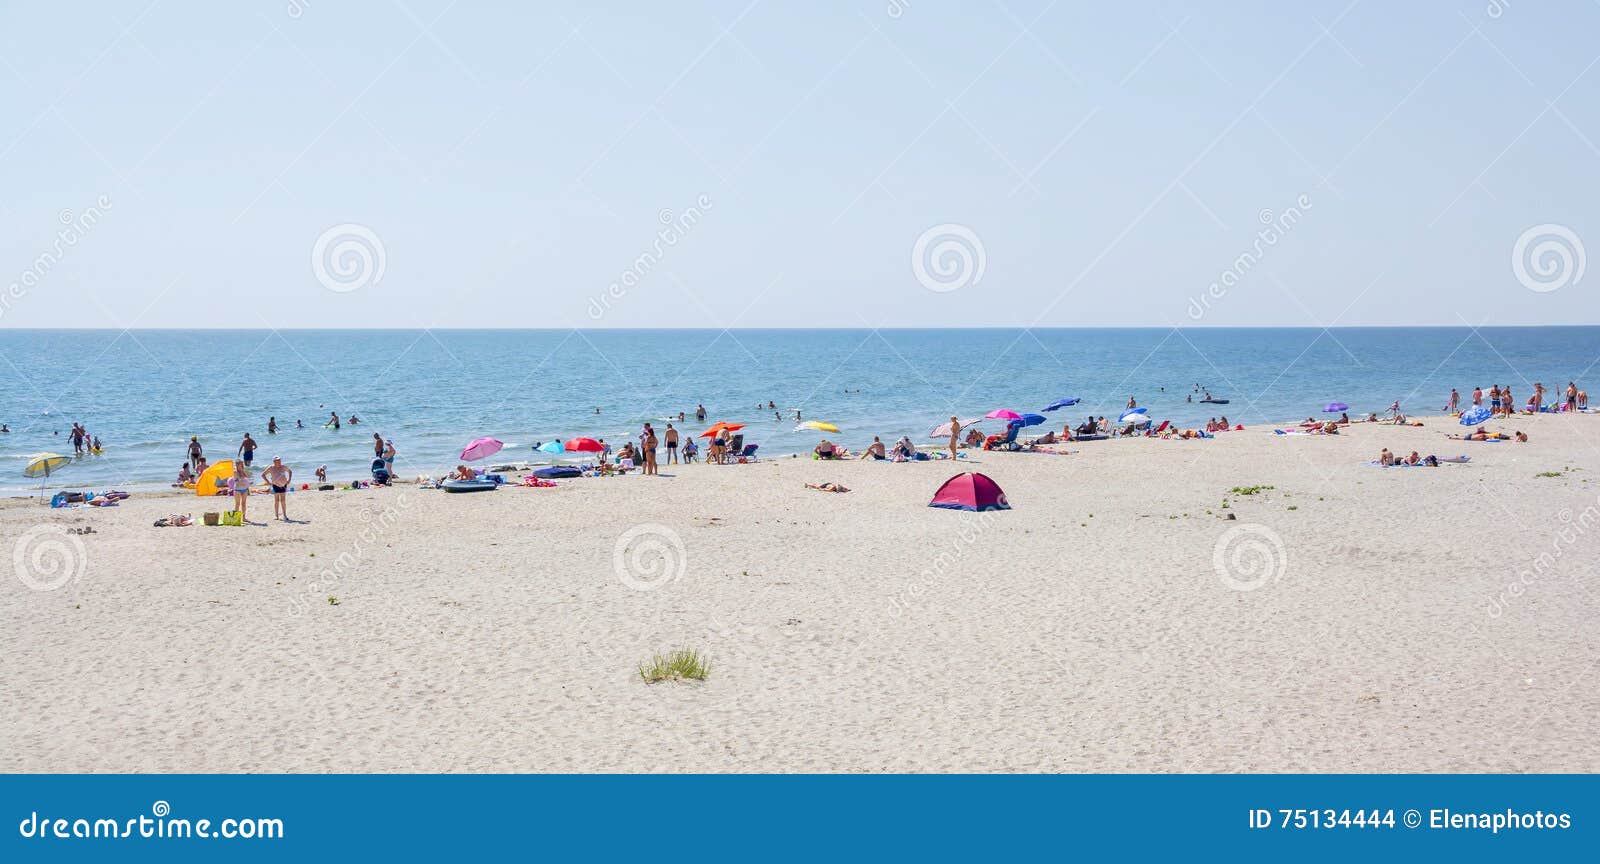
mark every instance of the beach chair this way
{"type": "Point", "coordinates": [747, 454]}
{"type": "Point", "coordinates": [735, 447]}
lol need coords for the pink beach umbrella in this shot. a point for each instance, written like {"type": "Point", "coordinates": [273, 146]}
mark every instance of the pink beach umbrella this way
{"type": "Point", "coordinates": [481, 448]}
{"type": "Point", "coordinates": [1003, 414]}
{"type": "Point", "coordinates": [943, 429]}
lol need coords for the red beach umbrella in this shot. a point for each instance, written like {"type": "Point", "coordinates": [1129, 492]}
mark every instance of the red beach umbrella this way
{"type": "Point", "coordinates": [584, 445]}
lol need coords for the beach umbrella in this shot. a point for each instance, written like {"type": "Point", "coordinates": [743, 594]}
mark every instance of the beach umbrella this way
{"type": "Point", "coordinates": [1062, 403]}
{"type": "Point", "coordinates": [1335, 407]}
{"type": "Point", "coordinates": [1032, 419]}
{"type": "Point", "coordinates": [817, 425]}
{"type": "Point", "coordinates": [1003, 414]}
{"type": "Point", "coordinates": [481, 448]}
{"type": "Point", "coordinates": [943, 429]}
{"type": "Point", "coordinates": [584, 445]}
{"type": "Point", "coordinates": [1475, 415]}
{"type": "Point", "coordinates": [1134, 415]}
{"type": "Point", "coordinates": [42, 465]}
{"type": "Point", "coordinates": [551, 447]}
{"type": "Point", "coordinates": [721, 427]}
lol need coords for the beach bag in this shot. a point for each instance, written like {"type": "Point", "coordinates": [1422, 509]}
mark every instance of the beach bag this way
{"type": "Point", "coordinates": [212, 518]}
{"type": "Point", "coordinates": [234, 518]}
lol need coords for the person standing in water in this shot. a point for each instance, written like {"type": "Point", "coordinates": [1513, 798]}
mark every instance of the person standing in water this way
{"type": "Point", "coordinates": [700, 413]}
{"type": "Point", "coordinates": [272, 425]}
{"type": "Point", "coordinates": [333, 419]}
{"type": "Point", "coordinates": [195, 453]}
{"type": "Point", "coordinates": [279, 476]}
{"type": "Point", "coordinates": [247, 449]}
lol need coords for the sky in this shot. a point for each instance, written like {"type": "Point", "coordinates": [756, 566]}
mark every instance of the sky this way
{"type": "Point", "coordinates": [905, 163]}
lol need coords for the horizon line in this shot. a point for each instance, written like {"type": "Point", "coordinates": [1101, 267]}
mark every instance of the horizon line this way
{"type": "Point", "coordinates": [799, 328]}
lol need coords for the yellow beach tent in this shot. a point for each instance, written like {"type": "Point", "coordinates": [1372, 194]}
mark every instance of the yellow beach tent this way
{"type": "Point", "coordinates": [215, 479]}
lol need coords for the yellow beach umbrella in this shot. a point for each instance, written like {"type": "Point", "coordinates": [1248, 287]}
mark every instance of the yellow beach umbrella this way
{"type": "Point", "coordinates": [44, 464]}
{"type": "Point", "coordinates": [819, 426]}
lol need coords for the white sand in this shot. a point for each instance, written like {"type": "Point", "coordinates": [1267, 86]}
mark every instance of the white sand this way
{"type": "Point", "coordinates": [855, 632]}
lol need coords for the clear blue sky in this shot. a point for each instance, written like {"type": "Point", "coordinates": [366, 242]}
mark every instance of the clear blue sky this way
{"type": "Point", "coordinates": [1112, 159]}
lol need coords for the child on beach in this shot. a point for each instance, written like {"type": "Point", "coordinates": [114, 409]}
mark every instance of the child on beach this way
{"type": "Point", "coordinates": [239, 488]}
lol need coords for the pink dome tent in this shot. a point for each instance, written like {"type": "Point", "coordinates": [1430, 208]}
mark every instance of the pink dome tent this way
{"type": "Point", "coordinates": [970, 491]}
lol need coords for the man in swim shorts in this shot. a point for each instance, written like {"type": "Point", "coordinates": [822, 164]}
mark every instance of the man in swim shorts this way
{"type": "Point", "coordinates": [247, 449]}
{"type": "Point", "coordinates": [672, 445]}
{"type": "Point", "coordinates": [279, 476]}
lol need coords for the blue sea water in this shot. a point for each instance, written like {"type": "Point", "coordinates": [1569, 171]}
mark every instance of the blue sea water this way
{"type": "Point", "coordinates": [145, 392]}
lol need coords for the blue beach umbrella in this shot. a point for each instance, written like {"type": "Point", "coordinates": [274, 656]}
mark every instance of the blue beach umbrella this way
{"type": "Point", "coordinates": [1135, 415]}
{"type": "Point", "coordinates": [1474, 415]}
{"type": "Point", "coordinates": [1032, 419]}
{"type": "Point", "coordinates": [1335, 407]}
{"type": "Point", "coordinates": [551, 447]}
{"type": "Point", "coordinates": [1063, 403]}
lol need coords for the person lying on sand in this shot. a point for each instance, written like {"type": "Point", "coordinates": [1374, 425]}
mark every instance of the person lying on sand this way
{"type": "Point", "coordinates": [1046, 438]}
{"type": "Point", "coordinates": [827, 487]}
{"type": "Point", "coordinates": [1330, 428]}
{"type": "Point", "coordinates": [1413, 458]}
{"type": "Point", "coordinates": [176, 520]}
{"type": "Point", "coordinates": [1476, 435]}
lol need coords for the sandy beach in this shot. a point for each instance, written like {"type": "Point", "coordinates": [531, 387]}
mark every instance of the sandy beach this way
{"type": "Point", "coordinates": [1349, 618]}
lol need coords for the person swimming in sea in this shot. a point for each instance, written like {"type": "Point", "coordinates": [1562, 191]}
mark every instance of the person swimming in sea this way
{"type": "Point", "coordinates": [333, 419]}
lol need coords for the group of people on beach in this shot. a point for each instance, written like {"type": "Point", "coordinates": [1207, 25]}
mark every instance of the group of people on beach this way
{"type": "Point", "coordinates": [1503, 404]}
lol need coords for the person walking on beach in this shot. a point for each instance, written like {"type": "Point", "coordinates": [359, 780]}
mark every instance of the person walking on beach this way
{"type": "Point", "coordinates": [388, 456]}
{"type": "Point", "coordinates": [247, 449]}
{"type": "Point", "coordinates": [239, 488]}
{"type": "Point", "coordinates": [955, 432]}
{"type": "Point", "coordinates": [377, 445]}
{"type": "Point", "coordinates": [279, 476]}
{"type": "Point", "coordinates": [1455, 401]}
{"type": "Point", "coordinates": [195, 454]}
{"type": "Point", "coordinates": [1572, 396]}
{"type": "Point", "coordinates": [77, 440]}
{"type": "Point", "coordinates": [672, 445]}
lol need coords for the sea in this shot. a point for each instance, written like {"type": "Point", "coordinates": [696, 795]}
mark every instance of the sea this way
{"type": "Point", "coordinates": [145, 392]}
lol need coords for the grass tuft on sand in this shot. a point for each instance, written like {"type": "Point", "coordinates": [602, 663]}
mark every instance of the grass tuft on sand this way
{"type": "Point", "coordinates": [685, 664]}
